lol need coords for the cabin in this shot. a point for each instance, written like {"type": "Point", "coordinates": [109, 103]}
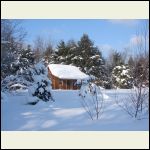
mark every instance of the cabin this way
{"type": "Point", "coordinates": [66, 77]}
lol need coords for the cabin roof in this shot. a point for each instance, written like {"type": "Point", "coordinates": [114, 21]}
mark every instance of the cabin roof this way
{"type": "Point", "coordinates": [67, 72]}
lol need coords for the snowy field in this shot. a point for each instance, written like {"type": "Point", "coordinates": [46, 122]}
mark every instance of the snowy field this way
{"type": "Point", "coordinates": [66, 114]}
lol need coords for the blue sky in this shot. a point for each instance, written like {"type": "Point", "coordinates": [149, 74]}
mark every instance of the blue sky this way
{"type": "Point", "coordinates": [106, 34]}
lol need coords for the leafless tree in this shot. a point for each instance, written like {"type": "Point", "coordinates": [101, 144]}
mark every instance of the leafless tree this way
{"type": "Point", "coordinates": [49, 50]}
{"type": "Point", "coordinates": [92, 100]}
{"type": "Point", "coordinates": [137, 102]}
{"type": "Point", "coordinates": [125, 54]}
{"type": "Point", "coordinates": [43, 48]}
{"type": "Point", "coordinates": [141, 56]}
{"type": "Point", "coordinates": [12, 39]}
{"type": "Point", "coordinates": [12, 32]}
{"type": "Point", "coordinates": [39, 48]}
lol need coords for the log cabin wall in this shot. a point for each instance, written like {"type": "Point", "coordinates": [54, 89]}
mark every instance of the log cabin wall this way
{"type": "Point", "coordinates": [64, 84]}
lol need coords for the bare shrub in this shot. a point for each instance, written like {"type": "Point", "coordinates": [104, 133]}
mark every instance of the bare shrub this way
{"type": "Point", "coordinates": [136, 103]}
{"type": "Point", "coordinates": [92, 100]}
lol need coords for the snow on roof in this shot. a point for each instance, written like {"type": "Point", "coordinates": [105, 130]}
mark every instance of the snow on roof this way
{"type": "Point", "coordinates": [67, 72]}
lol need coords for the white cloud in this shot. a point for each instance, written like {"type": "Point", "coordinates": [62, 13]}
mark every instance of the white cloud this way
{"type": "Point", "coordinates": [136, 40]}
{"type": "Point", "coordinates": [128, 22]}
{"type": "Point", "coordinates": [136, 43]}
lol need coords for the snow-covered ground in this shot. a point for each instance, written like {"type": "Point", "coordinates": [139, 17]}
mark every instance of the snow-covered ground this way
{"type": "Point", "coordinates": [66, 114]}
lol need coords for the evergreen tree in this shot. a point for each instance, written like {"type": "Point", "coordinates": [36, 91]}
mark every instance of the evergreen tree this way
{"type": "Point", "coordinates": [72, 48]}
{"type": "Point", "coordinates": [20, 70]}
{"type": "Point", "coordinates": [114, 59]}
{"type": "Point", "coordinates": [90, 59]}
{"type": "Point", "coordinates": [117, 59]}
{"type": "Point", "coordinates": [21, 66]}
{"type": "Point", "coordinates": [84, 55]}
{"type": "Point", "coordinates": [26, 58]}
{"type": "Point", "coordinates": [41, 88]}
{"type": "Point", "coordinates": [62, 52]}
{"type": "Point", "coordinates": [121, 77]}
{"type": "Point", "coordinates": [61, 48]}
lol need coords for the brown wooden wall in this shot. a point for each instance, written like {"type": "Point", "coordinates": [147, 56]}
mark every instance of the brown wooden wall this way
{"type": "Point", "coordinates": [61, 83]}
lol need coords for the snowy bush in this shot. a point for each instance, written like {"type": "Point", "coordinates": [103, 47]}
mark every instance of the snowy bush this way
{"type": "Point", "coordinates": [41, 88]}
{"type": "Point", "coordinates": [121, 77]}
{"type": "Point", "coordinates": [15, 87]}
{"type": "Point", "coordinates": [92, 99]}
{"type": "Point", "coordinates": [136, 103]}
{"type": "Point", "coordinates": [14, 82]}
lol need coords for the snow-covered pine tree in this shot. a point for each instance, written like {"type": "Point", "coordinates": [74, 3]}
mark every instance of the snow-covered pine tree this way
{"type": "Point", "coordinates": [72, 49]}
{"type": "Point", "coordinates": [65, 53]}
{"type": "Point", "coordinates": [41, 88]}
{"type": "Point", "coordinates": [114, 59]}
{"type": "Point", "coordinates": [84, 55]}
{"type": "Point", "coordinates": [91, 60]}
{"type": "Point", "coordinates": [26, 58]}
{"type": "Point", "coordinates": [121, 77]}
{"type": "Point", "coordinates": [26, 61]}
{"type": "Point", "coordinates": [54, 58]}
{"type": "Point", "coordinates": [62, 52]}
{"type": "Point", "coordinates": [117, 59]}
{"type": "Point", "coordinates": [20, 69]}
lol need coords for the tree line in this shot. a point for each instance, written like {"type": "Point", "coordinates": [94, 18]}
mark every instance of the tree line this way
{"type": "Point", "coordinates": [112, 72]}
